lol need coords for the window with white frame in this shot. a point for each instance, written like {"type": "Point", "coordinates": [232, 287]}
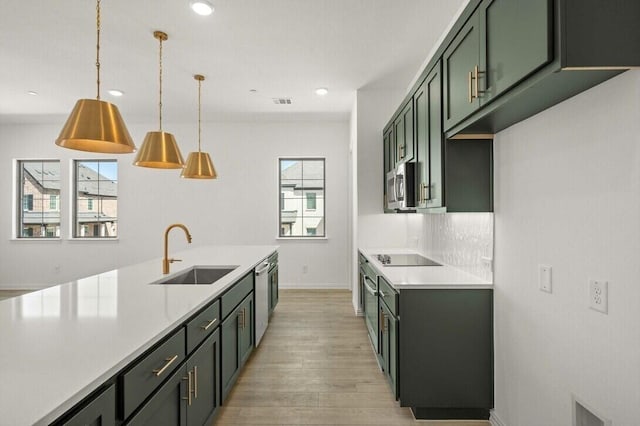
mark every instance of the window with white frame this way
{"type": "Point", "coordinates": [95, 203]}
{"type": "Point", "coordinates": [302, 197]}
{"type": "Point", "coordinates": [38, 191]}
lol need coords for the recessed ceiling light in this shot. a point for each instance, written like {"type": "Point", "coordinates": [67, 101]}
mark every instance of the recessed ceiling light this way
{"type": "Point", "coordinates": [32, 93]}
{"type": "Point", "coordinates": [201, 7]}
{"type": "Point", "coordinates": [116, 92]}
{"type": "Point", "coordinates": [321, 91]}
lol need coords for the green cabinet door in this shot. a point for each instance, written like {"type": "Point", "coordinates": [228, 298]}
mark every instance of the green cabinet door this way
{"type": "Point", "coordinates": [230, 331]}
{"type": "Point", "coordinates": [204, 366]}
{"type": "Point", "coordinates": [429, 141]}
{"type": "Point", "coordinates": [101, 410]}
{"type": "Point", "coordinates": [460, 60]}
{"type": "Point", "coordinates": [246, 330]}
{"type": "Point", "coordinates": [273, 288]}
{"type": "Point", "coordinates": [421, 112]}
{"type": "Point", "coordinates": [403, 130]}
{"type": "Point", "coordinates": [168, 406]}
{"type": "Point", "coordinates": [237, 342]}
{"type": "Point", "coordinates": [515, 41]}
{"type": "Point", "coordinates": [389, 347]}
{"type": "Point", "coordinates": [434, 192]}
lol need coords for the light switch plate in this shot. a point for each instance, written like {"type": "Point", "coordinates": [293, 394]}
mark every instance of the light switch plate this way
{"type": "Point", "coordinates": [544, 278]}
{"type": "Point", "coordinates": [599, 296]}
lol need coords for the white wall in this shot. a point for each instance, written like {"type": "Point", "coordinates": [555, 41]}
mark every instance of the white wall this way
{"type": "Point", "coordinates": [372, 110]}
{"type": "Point", "coordinates": [240, 207]}
{"type": "Point", "coordinates": [375, 229]}
{"type": "Point", "coordinates": [567, 191]}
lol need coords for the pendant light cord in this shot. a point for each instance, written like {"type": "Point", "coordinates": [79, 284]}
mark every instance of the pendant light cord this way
{"type": "Point", "coordinates": [199, 108]}
{"type": "Point", "coordinates": [160, 103]}
{"type": "Point", "coordinates": [98, 47]}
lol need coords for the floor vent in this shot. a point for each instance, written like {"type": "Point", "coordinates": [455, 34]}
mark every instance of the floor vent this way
{"type": "Point", "coordinates": [583, 416]}
{"type": "Point", "coordinates": [282, 101]}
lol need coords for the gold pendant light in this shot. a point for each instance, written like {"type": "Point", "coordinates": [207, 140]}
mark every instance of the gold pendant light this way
{"type": "Point", "coordinates": [199, 165]}
{"type": "Point", "coordinates": [159, 149]}
{"type": "Point", "coordinates": [95, 125]}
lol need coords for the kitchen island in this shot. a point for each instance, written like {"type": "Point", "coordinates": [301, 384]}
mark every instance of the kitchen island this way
{"type": "Point", "coordinates": [431, 329]}
{"type": "Point", "coordinates": [60, 344]}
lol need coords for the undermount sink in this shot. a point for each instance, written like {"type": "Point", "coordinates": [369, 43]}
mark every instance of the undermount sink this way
{"type": "Point", "coordinates": [197, 275]}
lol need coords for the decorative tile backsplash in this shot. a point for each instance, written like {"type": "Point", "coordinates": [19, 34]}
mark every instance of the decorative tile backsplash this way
{"type": "Point", "coordinates": [463, 240]}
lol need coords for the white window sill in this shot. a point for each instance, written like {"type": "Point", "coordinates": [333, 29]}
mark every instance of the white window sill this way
{"type": "Point", "coordinates": [39, 240]}
{"type": "Point", "coordinates": [81, 239]}
{"type": "Point", "coordinates": [301, 238]}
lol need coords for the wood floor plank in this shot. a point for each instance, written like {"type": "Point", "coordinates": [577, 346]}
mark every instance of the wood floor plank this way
{"type": "Point", "coordinates": [315, 366]}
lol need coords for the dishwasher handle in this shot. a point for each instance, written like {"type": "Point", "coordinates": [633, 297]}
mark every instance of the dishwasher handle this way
{"type": "Point", "coordinates": [372, 291]}
{"type": "Point", "coordinates": [265, 268]}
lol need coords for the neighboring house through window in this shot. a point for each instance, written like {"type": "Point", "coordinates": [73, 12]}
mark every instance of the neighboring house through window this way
{"type": "Point", "coordinates": [95, 199]}
{"type": "Point", "coordinates": [302, 197]}
{"type": "Point", "coordinates": [38, 192]}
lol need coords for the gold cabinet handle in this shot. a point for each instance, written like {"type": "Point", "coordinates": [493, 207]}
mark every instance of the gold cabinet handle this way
{"type": "Point", "coordinates": [195, 382]}
{"type": "Point", "coordinates": [475, 79]}
{"type": "Point", "coordinates": [425, 192]}
{"type": "Point", "coordinates": [188, 397]}
{"type": "Point", "coordinates": [244, 318]}
{"type": "Point", "coordinates": [169, 361]}
{"type": "Point", "coordinates": [470, 77]}
{"type": "Point", "coordinates": [209, 324]}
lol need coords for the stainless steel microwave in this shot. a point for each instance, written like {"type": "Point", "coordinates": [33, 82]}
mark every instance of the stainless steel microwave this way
{"type": "Point", "coordinates": [401, 187]}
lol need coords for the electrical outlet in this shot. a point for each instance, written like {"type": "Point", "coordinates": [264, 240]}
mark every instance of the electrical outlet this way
{"type": "Point", "coordinates": [305, 269]}
{"type": "Point", "coordinates": [599, 295]}
{"type": "Point", "coordinates": [544, 278]}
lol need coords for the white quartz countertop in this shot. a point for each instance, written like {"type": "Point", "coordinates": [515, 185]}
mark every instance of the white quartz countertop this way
{"type": "Point", "coordinates": [417, 277]}
{"type": "Point", "coordinates": [60, 343]}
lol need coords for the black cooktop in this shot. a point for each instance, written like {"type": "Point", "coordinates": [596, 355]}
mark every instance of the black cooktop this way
{"type": "Point", "coordinates": [405, 260]}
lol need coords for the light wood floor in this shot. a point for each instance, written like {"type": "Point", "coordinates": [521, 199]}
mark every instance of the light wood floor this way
{"type": "Point", "coordinates": [315, 366]}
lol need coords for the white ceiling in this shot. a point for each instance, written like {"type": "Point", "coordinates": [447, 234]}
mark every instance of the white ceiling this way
{"type": "Point", "coordinates": [281, 48]}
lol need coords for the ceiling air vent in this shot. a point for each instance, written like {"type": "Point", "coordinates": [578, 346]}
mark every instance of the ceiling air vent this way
{"type": "Point", "coordinates": [282, 101]}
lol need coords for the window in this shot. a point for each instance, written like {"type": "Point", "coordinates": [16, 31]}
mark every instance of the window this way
{"type": "Point", "coordinates": [95, 199]}
{"type": "Point", "coordinates": [311, 200]}
{"type": "Point", "coordinates": [38, 183]}
{"type": "Point", "coordinates": [302, 194]}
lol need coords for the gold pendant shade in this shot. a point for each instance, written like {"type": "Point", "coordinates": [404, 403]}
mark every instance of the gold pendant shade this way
{"type": "Point", "coordinates": [159, 151]}
{"type": "Point", "coordinates": [95, 125]}
{"type": "Point", "coordinates": [199, 164]}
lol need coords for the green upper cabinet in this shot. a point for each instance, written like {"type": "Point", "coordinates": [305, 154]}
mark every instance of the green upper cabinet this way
{"type": "Point", "coordinates": [429, 141]}
{"type": "Point", "coordinates": [503, 42]}
{"type": "Point", "coordinates": [515, 40]}
{"type": "Point", "coordinates": [403, 130]}
{"type": "Point", "coordinates": [460, 61]}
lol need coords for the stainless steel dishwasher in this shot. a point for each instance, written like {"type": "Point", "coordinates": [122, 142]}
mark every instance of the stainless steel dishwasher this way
{"type": "Point", "coordinates": [262, 298]}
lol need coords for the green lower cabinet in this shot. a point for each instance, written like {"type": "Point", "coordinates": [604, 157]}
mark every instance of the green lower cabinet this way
{"type": "Point", "coordinates": [168, 406]}
{"type": "Point", "coordinates": [445, 353]}
{"type": "Point", "coordinates": [100, 410]}
{"type": "Point", "coordinates": [389, 346]}
{"type": "Point", "coordinates": [204, 366]}
{"type": "Point", "coordinates": [273, 288]}
{"type": "Point", "coordinates": [237, 342]}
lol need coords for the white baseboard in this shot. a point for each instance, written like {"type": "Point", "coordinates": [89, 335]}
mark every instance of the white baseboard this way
{"type": "Point", "coordinates": [495, 419]}
{"type": "Point", "coordinates": [315, 286]}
